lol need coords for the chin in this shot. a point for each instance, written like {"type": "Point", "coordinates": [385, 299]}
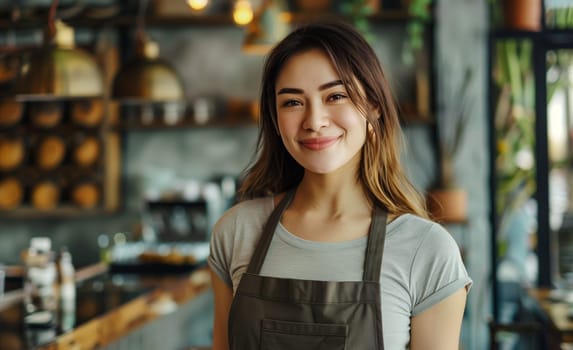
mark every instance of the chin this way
{"type": "Point", "coordinates": [324, 166]}
{"type": "Point", "coordinates": [322, 170]}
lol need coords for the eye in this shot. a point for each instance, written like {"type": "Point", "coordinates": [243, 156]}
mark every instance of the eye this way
{"type": "Point", "coordinates": [336, 97]}
{"type": "Point", "coordinates": [290, 103]}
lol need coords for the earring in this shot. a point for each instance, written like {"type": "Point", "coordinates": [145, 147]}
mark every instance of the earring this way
{"type": "Point", "coordinates": [369, 126]}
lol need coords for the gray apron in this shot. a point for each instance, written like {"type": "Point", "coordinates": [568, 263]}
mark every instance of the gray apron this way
{"type": "Point", "coordinates": [270, 313]}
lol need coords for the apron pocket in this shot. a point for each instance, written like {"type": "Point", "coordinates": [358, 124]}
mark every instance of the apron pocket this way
{"type": "Point", "coordinates": [283, 335]}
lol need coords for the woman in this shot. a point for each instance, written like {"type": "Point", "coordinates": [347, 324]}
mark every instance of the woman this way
{"type": "Point", "coordinates": [333, 250]}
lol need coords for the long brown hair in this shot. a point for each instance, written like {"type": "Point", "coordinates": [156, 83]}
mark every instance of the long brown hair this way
{"type": "Point", "coordinates": [380, 172]}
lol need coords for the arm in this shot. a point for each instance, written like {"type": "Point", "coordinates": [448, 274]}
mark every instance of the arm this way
{"type": "Point", "coordinates": [439, 327]}
{"type": "Point", "coordinates": [223, 298]}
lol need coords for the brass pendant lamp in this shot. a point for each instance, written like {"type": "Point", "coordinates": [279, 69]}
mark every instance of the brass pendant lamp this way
{"type": "Point", "coordinates": [58, 70]}
{"type": "Point", "coordinates": [146, 77]}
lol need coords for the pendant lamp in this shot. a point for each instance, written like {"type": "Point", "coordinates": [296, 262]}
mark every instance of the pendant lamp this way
{"type": "Point", "coordinates": [58, 70]}
{"type": "Point", "coordinates": [146, 77]}
{"type": "Point", "coordinates": [268, 27]}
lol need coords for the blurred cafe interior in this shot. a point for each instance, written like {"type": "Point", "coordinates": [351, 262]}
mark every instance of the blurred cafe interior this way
{"type": "Point", "coordinates": [125, 127]}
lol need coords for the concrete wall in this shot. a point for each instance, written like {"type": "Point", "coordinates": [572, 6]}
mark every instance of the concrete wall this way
{"type": "Point", "coordinates": [461, 43]}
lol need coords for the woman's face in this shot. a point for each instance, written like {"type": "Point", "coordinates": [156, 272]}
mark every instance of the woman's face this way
{"type": "Point", "coordinates": [318, 123]}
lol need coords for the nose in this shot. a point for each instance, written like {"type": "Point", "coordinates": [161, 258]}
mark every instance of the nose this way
{"type": "Point", "coordinates": [316, 117]}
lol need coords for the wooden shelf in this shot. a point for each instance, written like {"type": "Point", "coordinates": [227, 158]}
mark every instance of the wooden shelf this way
{"type": "Point", "coordinates": [123, 21]}
{"type": "Point", "coordinates": [223, 19]}
{"type": "Point", "coordinates": [187, 124]}
{"type": "Point", "coordinates": [380, 17]}
{"type": "Point", "coordinates": [510, 34]}
{"type": "Point", "coordinates": [60, 212]}
{"type": "Point", "coordinates": [171, 21]}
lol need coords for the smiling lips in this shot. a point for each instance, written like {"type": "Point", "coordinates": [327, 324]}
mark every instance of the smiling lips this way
{"type": "Point", "coordinates": [318, 143]}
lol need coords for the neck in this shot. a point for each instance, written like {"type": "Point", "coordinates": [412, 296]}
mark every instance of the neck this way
{"type": "Point", "coordinates": [331, 195]}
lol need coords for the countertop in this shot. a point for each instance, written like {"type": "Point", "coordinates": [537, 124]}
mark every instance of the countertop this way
{"type": "Point", "coordinates": [556, 309]}
{"type": "Point", "coordinates": [108, 306]}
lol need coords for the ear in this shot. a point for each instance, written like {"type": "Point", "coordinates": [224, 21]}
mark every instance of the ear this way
{"type": "Point", "coordinates": [378, 112]}
{"type": "Point", "coordinates": [375, 115]}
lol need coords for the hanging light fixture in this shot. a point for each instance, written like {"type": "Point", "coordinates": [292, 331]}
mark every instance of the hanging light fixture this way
{"type": "Point", "coordinates": [242, 12]}
{"type": "Point", "coordinates": [58, 70]}
{"type": "Point", "coordinates": [270, 25]}
{"type": "Point", "coordinates": [197, 5]}
{"type": "Point", "coordinates": [146, 77]}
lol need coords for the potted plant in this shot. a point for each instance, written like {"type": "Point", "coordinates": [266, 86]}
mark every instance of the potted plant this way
{"type": "Point", "coordinates": [358, 12]}
{"type": "Point", "coordinates": [419, 14]}
{"type": "Point", "coordinates": [517, 14]}
{"type": "Point", "coordinates": [514, 120]}
{"type": "Point", "coordinates": [447, 202]}
{"type": "Point", "coordinates": [522, 14]}
{"type": "Point", "coordinates": [313, 5]}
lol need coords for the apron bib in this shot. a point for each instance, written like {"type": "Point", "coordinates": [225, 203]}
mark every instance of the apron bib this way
{"type": "Point", "coordinates": [269, 313]}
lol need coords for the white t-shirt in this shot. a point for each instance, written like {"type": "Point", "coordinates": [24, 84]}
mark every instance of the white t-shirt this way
{"type": "Point", "coordinates": [421, 264]}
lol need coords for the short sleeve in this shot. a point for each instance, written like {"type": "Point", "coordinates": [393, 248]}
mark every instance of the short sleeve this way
{"type": "Point", "coordinates": [220, 249]}
{"type": "Point", "coordinates": [437, 270]}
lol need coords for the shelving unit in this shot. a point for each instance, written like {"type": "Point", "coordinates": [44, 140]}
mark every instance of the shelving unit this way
{"type": "Point", "coordinates": [219, 19]}
{"type": "Point", "coordinates": [542, 42]}
{"type": "Point", "coordinates": [57, 159]}
{"type": "Point", "coordinates": [122, 23]}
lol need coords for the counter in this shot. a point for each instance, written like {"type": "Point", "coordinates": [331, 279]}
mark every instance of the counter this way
{"type": "Point", "coordinates": [109, 307]}
{"type": "Point", "coordinates": [555, 316]}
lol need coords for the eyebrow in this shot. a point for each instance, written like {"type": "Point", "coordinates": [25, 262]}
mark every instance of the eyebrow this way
{"type": "Point", "coordinates": [324, 86]}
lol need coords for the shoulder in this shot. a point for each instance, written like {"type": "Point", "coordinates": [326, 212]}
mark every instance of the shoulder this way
{"type": "Point", "coordinates": [247, 213]}
{"type": "Point", "coordinates": [238, 228]}
{"type": "Point", "coordinates": [422, 240]}
{"type": "Point", "coordinates": [416, 228]}
{"type": "Point", "coordinates": [234, 237]}
{"type": "Point", "coordinates": [435, 254]}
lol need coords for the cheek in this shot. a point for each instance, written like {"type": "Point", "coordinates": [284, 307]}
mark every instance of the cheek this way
{"type": "Point", "coordinates": [362, 133]}
{"type": "Point", "coordinates": [355, 123]}
{"type": "Point", "coordinates": [288, 125]}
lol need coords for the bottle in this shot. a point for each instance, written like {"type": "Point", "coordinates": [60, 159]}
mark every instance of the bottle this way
{"type": "Point", "coordinates": [67, 290]}
{"type": "Point", "coordinates": [103, 243]}
{"type": "Point", "coordinates": [40, 301]}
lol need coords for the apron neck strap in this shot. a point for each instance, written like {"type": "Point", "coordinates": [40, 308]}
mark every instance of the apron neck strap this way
{"type": "Point", "coordinates": [260, 252]}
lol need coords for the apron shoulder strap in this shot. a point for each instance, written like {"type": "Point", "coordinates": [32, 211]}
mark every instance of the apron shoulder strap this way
{"type": "Point", "coordinates": [375, 246]}
{"type": "Point", "coordinates": [262, 247]}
